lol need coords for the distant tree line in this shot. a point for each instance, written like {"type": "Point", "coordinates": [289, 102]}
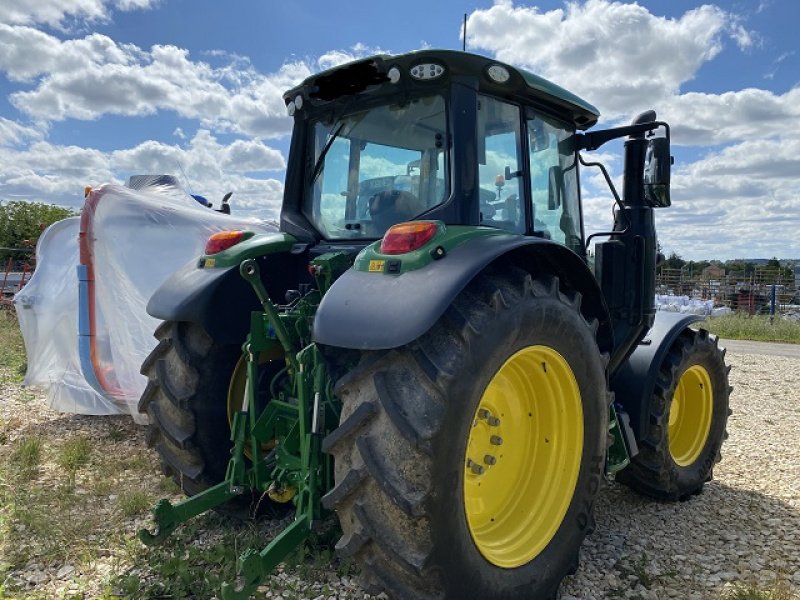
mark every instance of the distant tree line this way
{"type": "Point", "coordinates": [21, 224]}
{"type": "Point", "coordinates": [772, 270]}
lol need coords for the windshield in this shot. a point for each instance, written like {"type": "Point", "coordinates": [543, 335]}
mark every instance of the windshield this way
{"type": "Point", "coordinates": [377, 167]}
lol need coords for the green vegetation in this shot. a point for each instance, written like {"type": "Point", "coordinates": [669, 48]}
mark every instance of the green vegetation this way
{"type": "Point", "coordinates": [74, 454]}
{"type": "Point", "coordinates": [743, 327]}
{"type": "Point", "coordinates": [21, 224]}
{"type": "Point", "coordinates": [26, 456]}
{"type": "Point", "coordinates": [134, 502]}
{"type": "Point", "coordinates": [780, 591]}
{"type": "Point", "coordinates": [12, 349]}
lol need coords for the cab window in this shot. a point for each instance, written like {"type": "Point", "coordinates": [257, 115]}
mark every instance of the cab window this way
{"type": "Point", "coordinates": [554, 182]}
{"type": "Point", "coordinates": [500, 165]}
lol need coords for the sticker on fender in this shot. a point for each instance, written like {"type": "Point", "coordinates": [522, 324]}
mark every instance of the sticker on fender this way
{"type": "Point", "coordinates": [376, 266]}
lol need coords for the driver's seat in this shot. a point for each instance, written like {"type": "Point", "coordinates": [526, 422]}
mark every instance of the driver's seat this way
{"type": "Point", "coordinates": [388, 207]}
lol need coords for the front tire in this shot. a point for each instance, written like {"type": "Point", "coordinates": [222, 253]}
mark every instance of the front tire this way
{"type": "Point", "coordinates": [508, 387]}
{"type": "Point", "coordinates": [688, 413]}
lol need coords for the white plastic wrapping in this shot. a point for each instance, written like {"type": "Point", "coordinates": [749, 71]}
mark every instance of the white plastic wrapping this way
{"type": "Point", "coordinates": [684, 304]}
{"type": "Point", "coordinates": [136, 240]}
{"type": "Point", "coordinates": [47, 308]}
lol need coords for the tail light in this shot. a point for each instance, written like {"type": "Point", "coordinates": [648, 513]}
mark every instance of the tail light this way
{"type": "Point", "coordinates": [407, 237]}
{"type": "Point", "coordinates": [222, 240]}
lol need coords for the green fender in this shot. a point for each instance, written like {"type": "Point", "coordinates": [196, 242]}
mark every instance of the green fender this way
{"type": "Point", "coordinates": [379, 311]}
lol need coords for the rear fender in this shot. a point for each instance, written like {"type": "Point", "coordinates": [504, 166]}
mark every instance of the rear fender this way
{"type": "Point", "coordinates": [219, 299]}
{"type": "Point", "coordinates": [634, 382]}
{"type": "Point", "coordinates": [378, 311]}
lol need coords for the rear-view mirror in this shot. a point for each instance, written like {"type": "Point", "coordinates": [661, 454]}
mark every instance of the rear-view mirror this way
{"type": "Point", "coordinates": [657, 172]}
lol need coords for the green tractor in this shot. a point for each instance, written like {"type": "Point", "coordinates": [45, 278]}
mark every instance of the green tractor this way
{"type": "Point", "coordinates": [424, 347]}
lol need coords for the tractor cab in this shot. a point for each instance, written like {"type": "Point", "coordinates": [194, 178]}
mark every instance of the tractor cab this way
{"type": "Point", "coordinates": [433, 135]}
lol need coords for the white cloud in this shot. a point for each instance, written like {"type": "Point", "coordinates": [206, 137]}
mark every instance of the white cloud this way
{"type": "Point", "coordinates": [93, 76]}
{"type": "Point", "coordinates": [89, 77]}
{"type": "Point", "coordinates": [334, 58]}
{"type": "Point", "coordinates": [619, 56]}
{"type": "Point", "coordinates": [711, 119]}
{"type": "Point", "coordinates": [13, 133]}
{"type": "Point", "coordinates": [56, 12]}
{"type": "Point", "coordinates": [212, 169]}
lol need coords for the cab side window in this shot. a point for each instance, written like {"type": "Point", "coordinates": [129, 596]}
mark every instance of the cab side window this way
{"type": "Point", "coordinates": [500, 165]}
{"type": "Point", "coordinates": [554, 183]}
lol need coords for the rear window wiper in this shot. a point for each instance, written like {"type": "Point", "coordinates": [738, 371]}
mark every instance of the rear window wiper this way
{"type": "Point", "coordinates": [321, 160]}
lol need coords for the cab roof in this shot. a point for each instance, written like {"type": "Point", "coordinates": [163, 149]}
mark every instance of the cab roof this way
{"type": "Point", "coordinates": [522, 86]}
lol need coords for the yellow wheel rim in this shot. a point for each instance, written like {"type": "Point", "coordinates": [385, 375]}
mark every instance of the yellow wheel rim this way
{"type": "Point", "coordinates": [523, 456]}
{"type": "Point", "coordinates": [690, 415]}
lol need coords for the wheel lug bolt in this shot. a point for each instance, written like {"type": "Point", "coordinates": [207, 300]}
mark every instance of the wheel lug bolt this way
{"type": "Point", "coordinates": [496, 440]}
{"type": "Point", "coordinates": [493, 421]}
{"type": "Point", "coordinates": [477, 469]}
{"type": "Point", "coordinates": [489, 459]}
{"type": "Point", "coordinates": [483, 413]}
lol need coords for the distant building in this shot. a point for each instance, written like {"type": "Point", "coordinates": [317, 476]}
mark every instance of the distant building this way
{"type": "Point", "coordinates": [713, 271]}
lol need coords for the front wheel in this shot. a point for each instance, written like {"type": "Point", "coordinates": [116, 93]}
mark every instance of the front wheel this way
{"type": "Point", "coordinates": [688, 413]}
{"type": "Point", "coordinates": [467, 462]}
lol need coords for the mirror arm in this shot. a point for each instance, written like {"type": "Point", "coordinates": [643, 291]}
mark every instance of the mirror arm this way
{"type": "Point", "coordinates": [617, 199]}
{"type": "Point", "coordinates": [594, 139]}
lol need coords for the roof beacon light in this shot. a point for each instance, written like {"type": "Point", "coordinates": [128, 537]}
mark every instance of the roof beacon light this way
{"type": "Point", "coordinates": [427, 71]}
{"type": "Point", "coordinates": [298, 101]}
{"type": "Point", "coordinates": [290, 108]}
{"type": "Point", "coordinates": [498, 73]}
{"type": "Point", "coordinates": [394, 75]}
{"type": "Point", "coordinates": [407, 237]}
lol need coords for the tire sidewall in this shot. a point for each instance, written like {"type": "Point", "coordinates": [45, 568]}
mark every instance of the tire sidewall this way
{"type": "Point", "coordinates": [547, 321]}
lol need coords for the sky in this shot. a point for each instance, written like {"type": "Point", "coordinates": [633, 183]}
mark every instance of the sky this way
{"type": "Point", "coordinates": [92, 91]}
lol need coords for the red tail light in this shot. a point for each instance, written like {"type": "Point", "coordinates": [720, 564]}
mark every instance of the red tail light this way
{"type": "Point", "coordinates": [222, 240]}
{"type": "Point", "coordinates": [407, 237]}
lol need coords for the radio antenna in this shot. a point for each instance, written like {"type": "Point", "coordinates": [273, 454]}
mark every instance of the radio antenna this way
{"type": "Point", "coordinates": [185, 178]}
{"type": "Point", "coordinates": [464, 41]}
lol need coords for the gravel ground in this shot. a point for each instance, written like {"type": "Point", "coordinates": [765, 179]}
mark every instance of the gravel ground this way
{"type": "Point", "coordinates": [744, 528]}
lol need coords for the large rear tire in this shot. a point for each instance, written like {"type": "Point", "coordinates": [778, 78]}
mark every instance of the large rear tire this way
{"type": "Point", "coordinates": [467, 462]}
{"type": "Point", "coordinates": [185, 398]}
{"type": "Point", "coordinates": [688, 413]}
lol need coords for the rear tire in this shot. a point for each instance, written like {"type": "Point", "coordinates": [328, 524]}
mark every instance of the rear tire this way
{"type": "Point", "coordinates": [185, 398]}
{"type": "Point", "coordinates": [688, 415]}
{"type": "Point", "coordinates": [409, 416]}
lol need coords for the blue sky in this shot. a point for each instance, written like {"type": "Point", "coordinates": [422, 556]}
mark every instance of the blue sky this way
{"type": "Point", "coordinates": [95, 90]}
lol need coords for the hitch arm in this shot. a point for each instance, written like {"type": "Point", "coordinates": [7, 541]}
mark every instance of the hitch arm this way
{"type": "Point", "coordinates": [168, 516]}
{"type": "Point", "coordinates": [256, 567]}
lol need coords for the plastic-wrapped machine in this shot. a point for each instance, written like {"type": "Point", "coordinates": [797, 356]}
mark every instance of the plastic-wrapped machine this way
{"type": "Point", "coordinates": [47, 308]}
{"type": "Point", "coordinates": [83, 314]}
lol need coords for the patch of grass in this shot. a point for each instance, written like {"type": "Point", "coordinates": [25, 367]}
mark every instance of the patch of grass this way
{"type": "Point", "coordinates": [27, 455]}
{"type": "Point", "coordinates": [116, 432]}
{"type": "Point", "coordinates": [74, 455]}
{"type": "Point", "coordinates": [133, 502]}
{"type": "Point", "coordinates": [739, 326]}
{"type": "Point", "coordinates": [780, 591]}
{"type": "Point", "coordinates": [12, 348]}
